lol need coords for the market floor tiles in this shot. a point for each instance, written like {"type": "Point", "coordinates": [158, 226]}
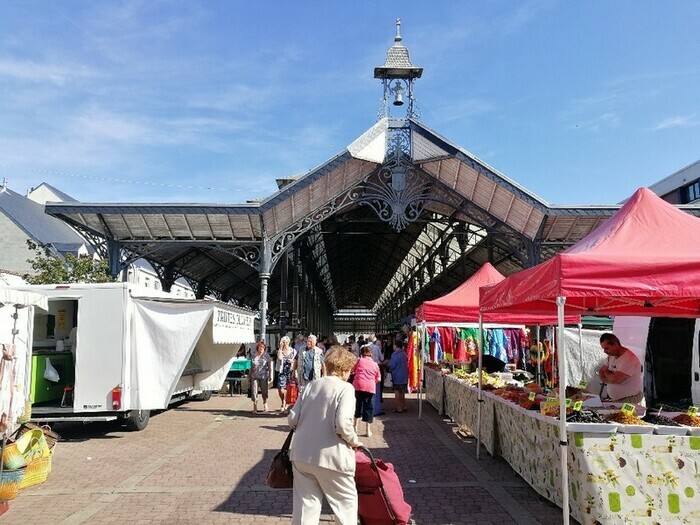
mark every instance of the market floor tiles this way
{"type": "Point", "coordinates": [205, 462]}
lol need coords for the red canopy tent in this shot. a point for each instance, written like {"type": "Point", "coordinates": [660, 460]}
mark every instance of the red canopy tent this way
{"type": "Point", "coordinates": [644, 260]}
{"type": "Point", "coordinates": [461, 305]}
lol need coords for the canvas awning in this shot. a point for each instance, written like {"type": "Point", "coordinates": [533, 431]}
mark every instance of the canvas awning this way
{"type": "Point", "coordinates": [20, 298]}
{"type": "Point", "coordinates": [645, 260]}
{"type": "Point", "coordinates": [462, 304]}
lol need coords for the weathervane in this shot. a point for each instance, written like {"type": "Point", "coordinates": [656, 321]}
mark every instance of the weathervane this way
{"type": "Point", "coordinates": [397, 76]}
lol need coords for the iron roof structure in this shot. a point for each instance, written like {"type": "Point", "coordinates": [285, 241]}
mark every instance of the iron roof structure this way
{"type": "Point", "coordinates": [400, 216]}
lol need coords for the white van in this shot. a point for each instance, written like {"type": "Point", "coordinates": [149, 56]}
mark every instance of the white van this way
{"type": "Point", "coordinates": [109, 351]}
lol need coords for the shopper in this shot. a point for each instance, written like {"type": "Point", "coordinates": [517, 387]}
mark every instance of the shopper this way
{"type": "Point", "coordinates": [285, 360]}
{"type": "Point", "coordinates": [367, 376]}
{"type": "Point", "coordinates": [322, 449]}
{"type": "Point", "coordinates": [260, 374]}
{"type": "Point", "coordinates": [398, 366]}
{"type": "Point", "coordinates": [309, 363]}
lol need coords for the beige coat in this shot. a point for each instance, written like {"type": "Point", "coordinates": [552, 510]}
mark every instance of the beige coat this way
{"type": "Point", "coordinates": [323, 419]}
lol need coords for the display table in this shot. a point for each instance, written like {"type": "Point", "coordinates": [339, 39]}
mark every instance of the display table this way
{"type": "Point", "coordinates": [238, 373]}
{"type": "Point", "coordinates": [435, 389]}
{"type": "Point", "coordinates": [461, 404]}
{"type": "Point", "coordinates": [613, 477]}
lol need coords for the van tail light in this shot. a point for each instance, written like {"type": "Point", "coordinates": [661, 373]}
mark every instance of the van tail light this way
{"type": "Point", "coordinates": [117, 398]}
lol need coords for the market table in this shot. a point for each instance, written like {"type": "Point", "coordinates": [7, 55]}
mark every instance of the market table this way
{"type": "Point", "coordinates": [461, 403]}
{"type": "Point", "coordinates": [613, 477]}
{"type": "Point", "coordinates": [435, 389]}
{"type": "Point", "coordinates": [237, 374]}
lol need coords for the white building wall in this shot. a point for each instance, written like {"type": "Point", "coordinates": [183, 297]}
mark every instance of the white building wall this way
{"type": "Point", "coordinates": [13, 247]}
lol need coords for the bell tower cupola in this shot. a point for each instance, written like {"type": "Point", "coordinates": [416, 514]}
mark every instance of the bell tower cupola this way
{"type": "Point", "coordinates": [397, 76]}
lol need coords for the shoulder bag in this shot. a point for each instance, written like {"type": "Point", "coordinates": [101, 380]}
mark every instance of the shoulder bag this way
{"type": "Point", "coordinates": [280, 475]}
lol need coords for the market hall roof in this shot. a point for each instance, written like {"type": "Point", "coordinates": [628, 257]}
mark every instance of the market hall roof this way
{"type": "Point", "coordinates": [218, 243]}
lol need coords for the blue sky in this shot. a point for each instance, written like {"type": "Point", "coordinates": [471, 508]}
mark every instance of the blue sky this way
{"type": "Point", "coordinates": [210, 101]}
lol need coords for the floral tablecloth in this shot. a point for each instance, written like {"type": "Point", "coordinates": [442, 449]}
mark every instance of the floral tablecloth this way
{"type": "Point", "coordinates": [435, 389]}
{"type": "Point", "coordinates": [461, 405]}
{"type": "Point", "coordinates": [613, 478]}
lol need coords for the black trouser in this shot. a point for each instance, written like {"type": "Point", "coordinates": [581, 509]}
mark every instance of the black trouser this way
{"type": "Point", "coordinates": [364, 406]}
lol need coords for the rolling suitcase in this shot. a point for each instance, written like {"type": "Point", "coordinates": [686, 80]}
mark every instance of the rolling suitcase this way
{"type": "Point", "coordinates": [379, 492]}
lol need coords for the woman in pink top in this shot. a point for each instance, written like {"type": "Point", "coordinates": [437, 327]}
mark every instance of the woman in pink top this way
{"type": "Point", "coordinates": [366, 378]}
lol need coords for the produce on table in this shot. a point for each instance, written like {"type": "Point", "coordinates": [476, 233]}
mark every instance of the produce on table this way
{"type": "Point", "coordinates": [689, 421]}
{"type": "Point", "coordinates": [625, 419]}
{"type": "Point", "coordinates": [660, 420]}
{"type": "Point", "coordinates": [585, 416]}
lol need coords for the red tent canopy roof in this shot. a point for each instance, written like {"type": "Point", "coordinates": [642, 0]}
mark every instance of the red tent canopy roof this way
{"type": "Point", "coordinates": [461, 305]}
{"type": "Point", "coordinates": [644, 260]}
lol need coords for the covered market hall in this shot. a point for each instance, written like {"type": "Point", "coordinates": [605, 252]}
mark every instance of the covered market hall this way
{"type": "Point", "coordinates": [400, 216]}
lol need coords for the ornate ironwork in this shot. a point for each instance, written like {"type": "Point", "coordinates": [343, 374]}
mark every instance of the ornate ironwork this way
{"type": "Point", "coordinates": [248, 253]}
{"type": "Point", "coordinates": [399, 193]}
{"type": "Point", "coordinates": [283, 240]}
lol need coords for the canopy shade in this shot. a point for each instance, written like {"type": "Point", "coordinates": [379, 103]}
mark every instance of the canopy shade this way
{"type": "Point", "coordinates": [461, 305]}
{"type": "Point", "coordinates": [20, 298]}
{"type": "Point", "coordinates": [644, 260]}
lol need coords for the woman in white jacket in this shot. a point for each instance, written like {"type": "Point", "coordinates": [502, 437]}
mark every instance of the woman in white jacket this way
{"type": "Point", "coordinates": [322, 451]}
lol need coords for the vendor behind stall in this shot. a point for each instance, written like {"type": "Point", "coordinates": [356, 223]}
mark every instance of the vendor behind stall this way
{"type": "Point", "coordinates": [623, 372]}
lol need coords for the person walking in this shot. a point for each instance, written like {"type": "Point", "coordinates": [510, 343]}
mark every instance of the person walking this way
{"type": "Point", "coordinates": [377, 357]}
{"type": "Point", "coordinates": [367, 376]}
{"type": "Point", "coordinates": [285, 360]}
{"type": "Point", "coordinates": [260, 374]}
{"type": "Point", "coordinates": [309, 363]}
{"type": "Point", "coordinates": [398, 366]}
{"type": "Point", "coordinates": [322, 455]}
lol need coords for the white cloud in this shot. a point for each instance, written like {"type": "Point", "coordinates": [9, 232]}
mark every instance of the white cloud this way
{"type": "Point", "coordinates": [678, 121]}
{"type": "Point", "coordinates": [43, 72]}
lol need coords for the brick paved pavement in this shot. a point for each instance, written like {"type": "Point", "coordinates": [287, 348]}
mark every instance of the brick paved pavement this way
{"type": "Point", "coordinates": [205, 462]}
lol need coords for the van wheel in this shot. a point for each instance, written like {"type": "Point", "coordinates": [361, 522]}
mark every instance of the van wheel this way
{"type": "Point", "coordinates": [204, 396]}
{"type": "Point", "coordinates": [138, 419]}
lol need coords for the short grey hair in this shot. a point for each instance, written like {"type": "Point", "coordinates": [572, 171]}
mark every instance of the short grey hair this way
{"type": "Point", "coordinates": [312, 336]}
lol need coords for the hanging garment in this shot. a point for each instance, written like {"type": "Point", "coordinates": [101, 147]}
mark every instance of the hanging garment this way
{"type": "Point", "coordinates": [497, 344]}
{"type": "Point", "coordinates": [447, 341]}
{"type": "Point", "coordinates": [470, 338]}
{"type": "Point", "coordinates": [413, 362]}
{"type": "Point", "coordinates": [436, 352]}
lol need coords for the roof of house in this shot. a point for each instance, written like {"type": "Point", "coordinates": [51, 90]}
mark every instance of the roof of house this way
{"type": "Point", "coordinates": [40, 227]}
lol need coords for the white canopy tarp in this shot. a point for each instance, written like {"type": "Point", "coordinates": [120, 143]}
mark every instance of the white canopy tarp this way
{"type": "Point", "coordinates": [163, 336]}
{"type": "Point", "coordinates": [10, 296]}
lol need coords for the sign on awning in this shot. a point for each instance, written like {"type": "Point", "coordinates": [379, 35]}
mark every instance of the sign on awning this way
{"type": "Point", "coordinates": [232, 327]}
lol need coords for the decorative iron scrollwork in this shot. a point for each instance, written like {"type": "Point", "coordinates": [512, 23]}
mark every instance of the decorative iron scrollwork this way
{"type": "Point", "coordinates": [397, 197]}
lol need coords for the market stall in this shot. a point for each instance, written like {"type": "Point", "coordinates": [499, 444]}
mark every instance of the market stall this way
{"type": "Point", "coordinates": [459, 311]}
{"type": "Point", "coordinates": [16, 323]}
{"type": "Point", "coordinates": [642, 261]}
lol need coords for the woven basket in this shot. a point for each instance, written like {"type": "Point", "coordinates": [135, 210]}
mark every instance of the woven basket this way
{"type": "Point", "coordinates": [28, 446]}
{"type": "Point", "coordinates": [51, 437]}
{"type": "Point", "coordinates": [9, 483]}
{"type": "Point", "coordinates": [37, 471]}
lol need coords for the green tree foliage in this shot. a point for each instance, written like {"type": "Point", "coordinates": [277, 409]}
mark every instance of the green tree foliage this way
{"type": "Point", "coordinates": [50, 269]}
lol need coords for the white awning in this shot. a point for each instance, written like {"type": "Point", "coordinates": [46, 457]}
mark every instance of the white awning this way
{"type": "Point", "coordinates": [9, 296]}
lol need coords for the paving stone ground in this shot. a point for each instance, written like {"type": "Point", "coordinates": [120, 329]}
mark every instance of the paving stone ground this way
{"type": "Point", "coordinates": [206, 461]}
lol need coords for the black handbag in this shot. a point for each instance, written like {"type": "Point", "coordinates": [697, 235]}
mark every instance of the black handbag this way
{"type": "Point", "coordinates": [280, 475]}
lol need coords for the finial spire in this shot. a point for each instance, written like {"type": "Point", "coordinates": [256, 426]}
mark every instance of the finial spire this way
{"type": "Point", "coordinates": [397, 38]}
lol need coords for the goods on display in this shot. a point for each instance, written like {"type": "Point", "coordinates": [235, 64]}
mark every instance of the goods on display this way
{"type": "Point", "coordinates": [689, 421]}
{"type": "Point", "coordinates": [625, 419]}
